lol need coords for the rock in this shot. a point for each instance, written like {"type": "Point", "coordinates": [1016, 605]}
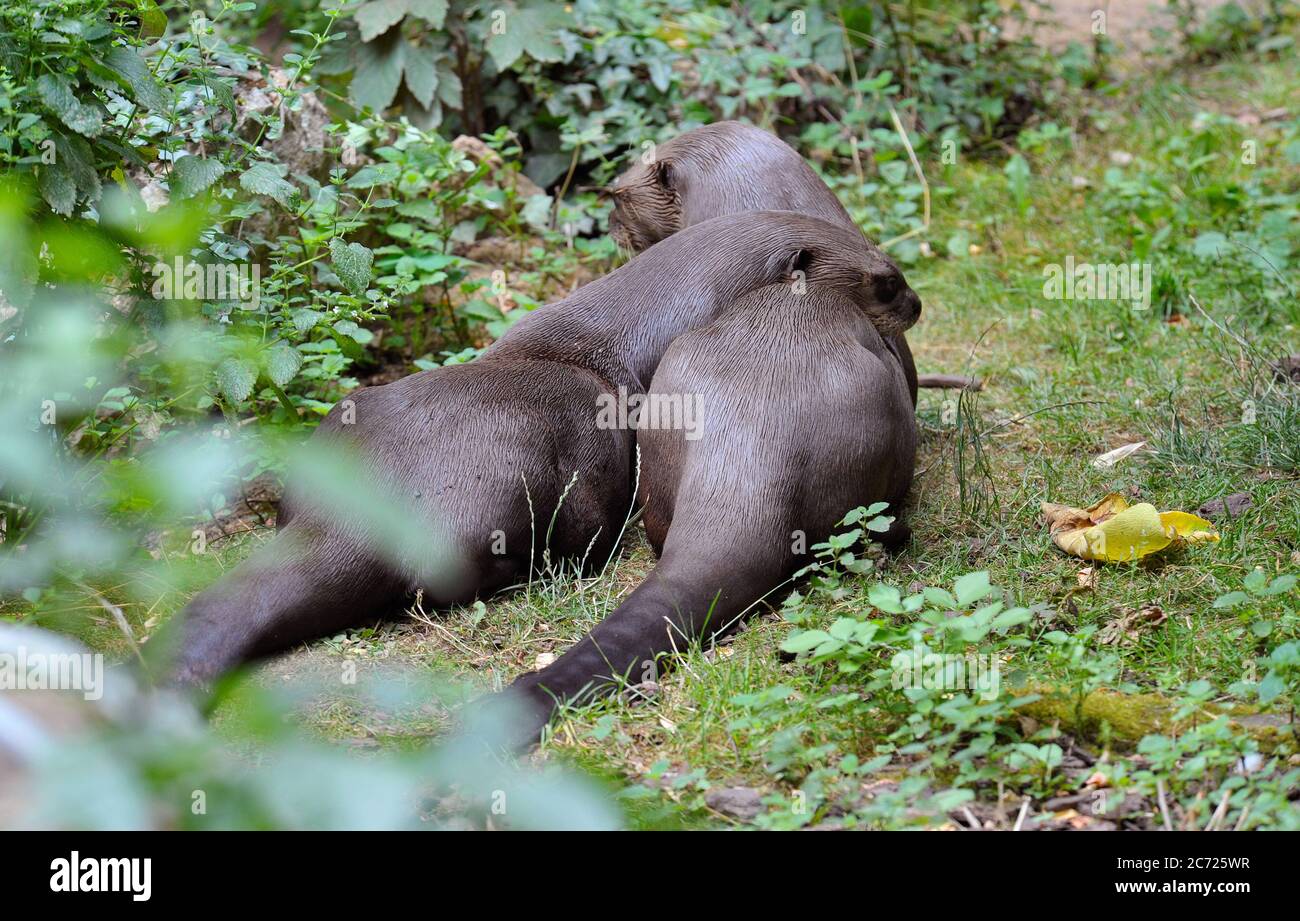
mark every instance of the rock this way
{"type": "Point", "coordinates": [480, 152]}
{"type": "Point", "coordinates": [743, 803]}
{"type": "Point", "coordinates": [1233, 505]}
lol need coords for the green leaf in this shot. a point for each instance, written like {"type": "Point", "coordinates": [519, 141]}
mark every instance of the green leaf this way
{"type": "Point", "coordinates": [74, 152]}
{"type": "Point", "coordinates": [266, 179]}
{"type": "Point", "coordinates": [236, 377]}
{"type": "Point", "coordinates": [132, 71]}
{"type": "Point", "coordinates": [1255, 582]}
{"type": "Point", "coordinates": [304, 318]}
{"type": "Point", "coordinates": [450, 90]}
{"type": "Point", "coordinates": [56, 92]}
{"type": "Point", "coordinates": [192, 175]}
{"type": "Point", "coordinates": [886, 598]}
{"type": "Point", "coordinates": [352, 263]}
{"type": "Point", "coordinates": [282, 363]}
{"type": "Point", "coordinates": [1011, 618]}
{"type": "Point", "coordinates": [434, 12]}
{"type": "Point", "coordinates": [58, 188]}
{"type": "Point", "coordinates": [1209, 245]}
{"type": "Point", "coordinates": [1232, 599]}
{"type": "Point", "coordinates": [880, 524]}
{"type": "Point", "coordinates": [1272, 687]}
{"type": "Point", "coordinates": [378, 72]}
{"type": "Point", "coordinates": [805, 641]}
{"type": "Point", "coordinates": [421, 74]}
{"type": "Point", "coordinates": [532, 30]}
{"type": "Point", "coordinates": [938, 597]}
{"type": "Point", "coordinates": [378, 16]}
{"type": "Point", "coordinates": [153, 21]}
{"type": "Point", "coordinates": [1280, 585]}
{"type": "Point", "coordinates": [971, 588]}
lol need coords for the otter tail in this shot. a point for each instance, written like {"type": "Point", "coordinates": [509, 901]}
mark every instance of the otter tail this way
{"type": "Point", "coordinates": [687, 596]}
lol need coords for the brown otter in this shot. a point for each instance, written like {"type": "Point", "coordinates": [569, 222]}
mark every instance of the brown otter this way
{"type": "Point", "coordinates": [724, 168]}
{"type": "Point", "coordinates": [488, 453]}
{"type": "Point", "coordinates": [806, 415]}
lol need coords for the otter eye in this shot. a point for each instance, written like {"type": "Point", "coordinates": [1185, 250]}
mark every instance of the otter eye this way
{"type": "Point", "coordinates": [887, 286]}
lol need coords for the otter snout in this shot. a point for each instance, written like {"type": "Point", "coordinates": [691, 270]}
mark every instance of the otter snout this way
{"type": "Point", "coordinates": [909, 303]}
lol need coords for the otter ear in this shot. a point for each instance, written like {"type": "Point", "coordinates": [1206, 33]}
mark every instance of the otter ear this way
{"type": "Point", "coordinates": [665, 175]}
{"type": "Point", "coordinates": [797, 262]}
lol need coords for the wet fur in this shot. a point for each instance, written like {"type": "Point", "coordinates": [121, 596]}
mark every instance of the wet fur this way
{"type": "Point", "coordinates": [455, 445]}
{"type": "Point", "coordinates": [725, 168]}
{"type": "Point", "coordinates": [807, 415]}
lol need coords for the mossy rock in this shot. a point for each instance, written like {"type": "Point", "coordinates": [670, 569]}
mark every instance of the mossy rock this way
{"type": "Point", "coordinates": [1120, 720]}
{"type": "Point", "coordinates": [1110, 717]}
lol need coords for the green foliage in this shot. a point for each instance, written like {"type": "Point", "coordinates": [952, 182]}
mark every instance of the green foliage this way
{"type": "Point", "coordinates": [150, 761]}
{"type": "Point", "coordinates": [587, 81]}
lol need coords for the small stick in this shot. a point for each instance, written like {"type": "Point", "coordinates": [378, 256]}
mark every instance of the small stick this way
{"type": "Point", "coordinates": [1020, 819]}
{"type": "Point", "coordinates": [920, 175]}
{"type": "Point", "coordinates": [1219, 813]}
{"type": "Point", "coordinates": [118, 617]}
{"type": "Point", "coordinates": [949, 382]}
{"type": "Point", "coordinates": [1164, 809]}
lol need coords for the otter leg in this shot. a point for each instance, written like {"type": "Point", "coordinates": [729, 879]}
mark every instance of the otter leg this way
{"type": "Point", "coordinates": [278, 599]}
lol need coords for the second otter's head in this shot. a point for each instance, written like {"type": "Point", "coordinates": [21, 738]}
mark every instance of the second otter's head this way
{"type": "Point", "coordinates": [844, 259]}
{"type": "Point", "coordinates": [647, 205]}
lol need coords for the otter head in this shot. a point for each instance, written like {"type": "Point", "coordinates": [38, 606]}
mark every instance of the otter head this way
{"type": "Point", "coordinates": [647, 204]}
{"type": "Point", "coordinates": [845, 260]}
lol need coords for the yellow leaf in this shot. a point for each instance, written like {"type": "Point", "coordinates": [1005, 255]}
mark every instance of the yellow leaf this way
{"type": "Point", "coordinates": [1113, 531]}
{"type": "Point", "coordinates": [1189, 527]}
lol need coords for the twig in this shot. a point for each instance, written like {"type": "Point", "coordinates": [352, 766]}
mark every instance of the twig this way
{"type": "Point", "coordinates": [1219, 813]}
{"type": "Point", "coordinates": [118, 617]}
{"type": "Point", "coordinates": [1023, 416]}
{"type": "Point", "coordinates": [1164, 808]}
{"type": "Point", "coordinates": [925, 186]}
{"type": "Point", "coordinates": [949, 382]}
{"type": "Point", "coordinates": [1020, 819]}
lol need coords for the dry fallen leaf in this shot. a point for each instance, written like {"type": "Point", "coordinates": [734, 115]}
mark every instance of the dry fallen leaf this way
{"type": "Point", "coordinates": [543, 659]}
{"type": "Point", "coordinates": [1123, 631]}
{"type": "Point", "coordinates": [1112, 531]}
{"type": "Point", "coordinates": [1111, 458]}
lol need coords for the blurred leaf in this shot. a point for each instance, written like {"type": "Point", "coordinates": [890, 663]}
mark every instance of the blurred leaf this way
{"type": "Point", "coordinates": [352, 263]}
{"type": "Point", "coordinates": [192, 175]}
{"type": "Point", "coordinates": [134, 72]}
{"type": "Point", "coordinates": [236, 378]}
{"type": "Point", "coordinates": [266, 179]}
{"type": "Point", "coordinates": [282, 363]}
{"type": "Point", "coordinates": [57, 93]}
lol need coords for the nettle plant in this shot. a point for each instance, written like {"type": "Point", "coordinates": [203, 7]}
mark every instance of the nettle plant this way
{"type": "Point", "coordinates": [586, 81]}
{"type": "Point", "coordinates": [921, 670]}
{"type": "Point", "coordinates": [1266, 607]}
{"type": "Point", "coordinates": [206, 166]}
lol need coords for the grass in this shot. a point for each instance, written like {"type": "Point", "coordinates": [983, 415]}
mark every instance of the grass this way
{"type": "Point", "coordinates": [1065, 381]}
